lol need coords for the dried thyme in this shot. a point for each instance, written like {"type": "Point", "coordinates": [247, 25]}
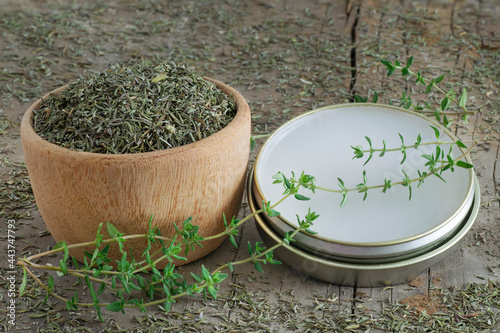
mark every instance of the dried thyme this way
{"type": "Point", "coordinates": [134, 109]}
{"type": "Point", "coordinates": [16, 196]}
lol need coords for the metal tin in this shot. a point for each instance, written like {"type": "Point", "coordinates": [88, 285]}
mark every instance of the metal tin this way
{"type": "Point", "coordinates": [385, 227]}
{"type": "Point", "coordinates": [363, 275]}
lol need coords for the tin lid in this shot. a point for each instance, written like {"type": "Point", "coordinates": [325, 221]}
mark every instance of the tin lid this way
{"type": "Point", "coordinates": [319, 143]}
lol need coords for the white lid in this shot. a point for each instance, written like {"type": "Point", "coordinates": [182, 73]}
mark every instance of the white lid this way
{"type": "Point", "coordinates": [319, 143]}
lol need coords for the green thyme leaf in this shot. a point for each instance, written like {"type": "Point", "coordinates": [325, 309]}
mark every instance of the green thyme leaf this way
{"type": "Point", "coordinates": [301, 197]}
{"type": "Point", "coordinates": [464, 165]}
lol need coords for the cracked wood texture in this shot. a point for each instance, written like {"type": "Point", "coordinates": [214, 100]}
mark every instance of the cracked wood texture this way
{"type": "Point", "coordinates": [286, 57]}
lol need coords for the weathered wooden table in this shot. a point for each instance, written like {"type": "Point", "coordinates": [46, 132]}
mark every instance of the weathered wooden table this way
{"type": "Point", "coordinates": [286, 57]}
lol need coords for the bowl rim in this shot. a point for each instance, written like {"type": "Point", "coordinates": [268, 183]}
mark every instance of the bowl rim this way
{"type": "Point", "coordinates": [470, 187]}
{"type": "Point", "coordinates": [242, 116]}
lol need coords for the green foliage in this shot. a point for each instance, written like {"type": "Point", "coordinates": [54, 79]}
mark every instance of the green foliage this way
{"type": "Point", "coordinates": [344, 191]}
{"type": "Point", "coordinates": [208, 282]}
{"type": "Point", "coordinates": [189, 235]}
{"type": "Point", "coordinates": [436, 164]}
{"type": "Point", "coordinates": [24, 282]}
{"type": "Point", "coordinates": [431, 84]}
{"type": "Point", "coordinates": [268, 210]}
{"type": "Point", "coordinates": [361, 99]}
{"type": "Point", "coordinates": [252, 143]}
{"type": "Point", "coordinates": [231, 229]}
{"type": "Point", "coordinates": [363, 187]}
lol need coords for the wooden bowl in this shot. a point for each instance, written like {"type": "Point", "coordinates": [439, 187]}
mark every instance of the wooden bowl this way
{"type": "Point", "coordinates": [76, 191]}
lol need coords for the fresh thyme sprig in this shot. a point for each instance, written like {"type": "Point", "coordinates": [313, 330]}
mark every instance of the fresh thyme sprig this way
{"type": "Point", "coordinates": [436, 164]}
{"type": "Point", "coordinates": [359, 152]}
{"type": "Point", "coordinates": [167, 286]}
{"type": "Point", "coordinates": [449, 96]}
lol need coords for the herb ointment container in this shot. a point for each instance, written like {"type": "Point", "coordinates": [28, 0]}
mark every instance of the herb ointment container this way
{"type": "Point", "coordinates": [386, 238]}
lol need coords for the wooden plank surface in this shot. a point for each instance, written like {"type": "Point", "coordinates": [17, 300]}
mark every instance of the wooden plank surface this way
{"type": "Point", "coordinates": [286, 57]}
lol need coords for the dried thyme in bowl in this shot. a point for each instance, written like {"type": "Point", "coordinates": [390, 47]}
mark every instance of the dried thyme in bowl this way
{"type": "Point", "coordinates": [134, 109]}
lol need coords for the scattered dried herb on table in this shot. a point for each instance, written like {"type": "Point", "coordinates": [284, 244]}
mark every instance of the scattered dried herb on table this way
{"type": "Point", "coordinates": [134, 109]}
